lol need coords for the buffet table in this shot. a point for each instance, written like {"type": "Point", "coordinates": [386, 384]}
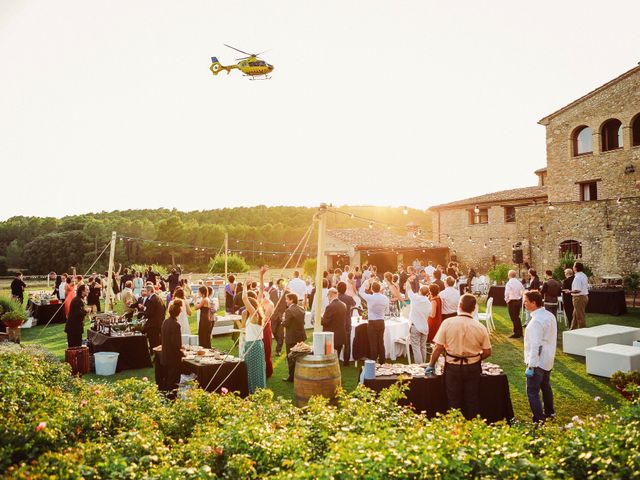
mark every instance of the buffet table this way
{"type": "Point", "coordinates": [45, 312]}
{"type": "Point", "coordinates": [610, 301]}
{"type": "Point", "coordinates": [133, 349]}
{"type": "Point", "coordinates": [428, 395]}
{"type": "Point", "coordinates": [237, 381]}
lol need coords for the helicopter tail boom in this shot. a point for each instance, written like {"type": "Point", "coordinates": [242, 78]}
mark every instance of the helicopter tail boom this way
{"type": "Point", "coordinates": [216, 67]}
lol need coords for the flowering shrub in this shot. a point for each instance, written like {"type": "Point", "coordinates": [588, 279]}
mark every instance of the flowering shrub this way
{"type": "Point", "coordinates": [57, 426]}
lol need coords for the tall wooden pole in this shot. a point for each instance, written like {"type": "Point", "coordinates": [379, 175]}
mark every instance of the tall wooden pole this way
{"type": "Point", "coordinates": [226, 257]}
{"type": "Point", "coordinates": [320, 261]}
{"type": "Point", "coordinates": [112, 254]}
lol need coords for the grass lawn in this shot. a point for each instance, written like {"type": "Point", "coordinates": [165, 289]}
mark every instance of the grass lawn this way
{"type": "Point", "coordinates": [574, 389]}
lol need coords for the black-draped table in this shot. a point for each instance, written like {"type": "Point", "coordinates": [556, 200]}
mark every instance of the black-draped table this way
{"type": "Point", "coordinates": [610, 301]}
{"type": "Point", "coordinates": [497, 293]}
{"type": "Point", "coordinates": [428, 395]}
{"type": "Point", "coordinates": [44, 313]}
{"type": "Point", "coordinates": [212, 376]}
{"type": "Point", "coordinates": [133, 349]}
{"type": "Point", "coordinates": [607, 300]}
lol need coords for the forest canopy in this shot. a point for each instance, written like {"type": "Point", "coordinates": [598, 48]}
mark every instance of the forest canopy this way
{"type": "Point", "coordinates": [37, 245]}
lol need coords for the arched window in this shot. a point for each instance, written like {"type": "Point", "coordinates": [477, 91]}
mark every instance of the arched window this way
{"type": "Point", "coordinates": [571, 246]}
{"type": "Point", "coordinates": [582, 140]}
{"type": "Point", "coordinates": [611, 135]}
{"type": "Point", "coordinates": [635, 131]}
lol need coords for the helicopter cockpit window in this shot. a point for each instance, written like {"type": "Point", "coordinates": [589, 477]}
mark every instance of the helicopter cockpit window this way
{"type": "Point", "coordinates": [257, 64]}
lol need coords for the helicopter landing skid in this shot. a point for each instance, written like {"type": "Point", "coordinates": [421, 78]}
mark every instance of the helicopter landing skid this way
{"type": "Point", "coordinates": [266, 77]}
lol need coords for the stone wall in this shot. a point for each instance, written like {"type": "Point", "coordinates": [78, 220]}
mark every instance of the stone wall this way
{"type": "Point", "coordinates": [609, 233]}
{"type": "Point", "coordinates": [620, 100]}
{"type": "Point", "coordinates": [453, 230]}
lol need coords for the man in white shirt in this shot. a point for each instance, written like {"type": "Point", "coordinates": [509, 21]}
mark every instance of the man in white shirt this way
{"type": "Point", "coordinates": [418, 315]}
{"type": "Point", "coordinates": [429, 269]}
{"type": "Point", "coordinates": [345, 274]}
{"type": "Point", "coordinates": [450, 299]}
{"type": "Point", "coordinates": [366, 273]}
{"type": "Point", "coordinates": [513, 297]}
{"type": "Point", "coordinates": [540, 339]}
{"type": "Point", "coordinates": [62, 289]}
{"type": "Point", "coordinates": [298, 286]}
{"type": "Point", "coordinates": [579, 296]}
{"type": "Point", "coordinates": [377, 304]}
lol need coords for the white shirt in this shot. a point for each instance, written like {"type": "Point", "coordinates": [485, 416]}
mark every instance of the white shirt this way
{"type": "Point", "coordinates": [513, 290]}
{"type": "Point", "coordinates": [62, 290]}
{"type": "Point", "coordinates": [419, 312]}
{"type": "Point", "coordinates": [540, 339]}
{"type": "Point", "coordinates": [377, 303]}
{"type": "Point", "coordinates": [450, 300]}
{"type": "Point", "coordinates": [344, 277]}
{"type": "Point", "coordinates": [580, 282]}
{"type": "Point", "coordinates": [366, 275]}
{"type": "Point", "coordinates": [429, 271]}
{"type": "Point", "coordinates": [298, 286]}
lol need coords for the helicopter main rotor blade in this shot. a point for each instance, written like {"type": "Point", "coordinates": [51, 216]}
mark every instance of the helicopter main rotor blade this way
{"type": "Point", "coordinates": [236, 49]}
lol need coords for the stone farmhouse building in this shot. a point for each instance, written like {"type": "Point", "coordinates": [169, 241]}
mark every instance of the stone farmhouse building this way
{"type": "Point", "coordinates": [587, 200]}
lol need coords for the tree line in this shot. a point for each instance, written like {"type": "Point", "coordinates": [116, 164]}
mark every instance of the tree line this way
{"type": "Point", "coordinates": [37, 245]}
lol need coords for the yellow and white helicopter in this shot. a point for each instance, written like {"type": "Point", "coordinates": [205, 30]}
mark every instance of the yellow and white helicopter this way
{"type": "Point", "coordinates": [251, 66]}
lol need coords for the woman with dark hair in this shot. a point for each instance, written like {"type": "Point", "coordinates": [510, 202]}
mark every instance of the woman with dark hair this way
{"type": "Point", "coordinates": [183, 316]}
{"type": "Point", "coordinates": [237, 298]}
{"type": "Point", "coordinates": [534, 280]}
{"type": "Point", "coordinates": [172, 352]}
{"type": "Point", "coordinates": [95, 292]}
{"type": "Point", "coordinates": [254, 346]}
{"type": "Point", "coordinates": [204, 322]}
{"type": "Point", "coordinates": [472, 274]}
{"type": "Point", "coordinates": [435, 319]}
{"type": "Point", "coordinates": [229, 293]}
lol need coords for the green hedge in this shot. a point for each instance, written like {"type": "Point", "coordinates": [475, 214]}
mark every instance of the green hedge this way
{"type": "Point", "coordinates": [127, 430]}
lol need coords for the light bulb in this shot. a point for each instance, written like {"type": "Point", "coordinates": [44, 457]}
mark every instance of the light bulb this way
{"type": "Point", "coordinates": [476, 209]}
{"type": "Point", "coordinates": [370, 224]}
{"type": "Point", "coordinates": [405, 211]}
{"type": "Point", "coordinates": [552, 207]}
{"type": "Point", "coordinates": [619, 200]}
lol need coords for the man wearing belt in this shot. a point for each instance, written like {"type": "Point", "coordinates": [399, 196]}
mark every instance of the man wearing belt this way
{"type": "Point", "coordinates": [450, 298]}
{"type": "Point", "coordinates": [580, 297]}
{"type": "Point", "coordinates": [377, 305]}
{"type": "Point", "coordinates": [513, 297]}
{"type": "Point", "coordinates": [551, 289]}
{"type": "Point", "coordinates": [539, 353]}
{"type": "Point", "coordinates": [465, 342]}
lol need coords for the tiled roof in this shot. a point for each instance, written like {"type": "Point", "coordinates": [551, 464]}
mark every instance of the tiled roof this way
{"type": "Point", "coordinates": [363, 238]}
{"type": "Point", "coordinates": [626, 74]}
{"type": "Point", "coordinates": [526, 193]}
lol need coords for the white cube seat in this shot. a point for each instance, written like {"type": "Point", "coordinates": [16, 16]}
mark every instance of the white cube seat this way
{"type": "Point", "coordinates": [577, 341]}
{"type": "Point", "coordinates": [636, 343]}
{"type": "Point", "coordinates": [604, 360]}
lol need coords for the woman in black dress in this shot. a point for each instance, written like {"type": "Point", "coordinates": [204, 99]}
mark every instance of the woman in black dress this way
{"type": "Point", "coordinates": [204, 324]}
{"type": "Point", "coordinates": [172, 352]}
{"type": "Point", "coordinates": [95, 292]}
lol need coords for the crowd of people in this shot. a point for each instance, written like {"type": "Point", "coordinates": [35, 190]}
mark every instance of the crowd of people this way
{"type": "Point", "coordinates": [440, 317]}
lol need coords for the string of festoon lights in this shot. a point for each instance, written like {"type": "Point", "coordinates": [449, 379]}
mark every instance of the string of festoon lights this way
{"type": "Point", "coordinates": [204, 249]}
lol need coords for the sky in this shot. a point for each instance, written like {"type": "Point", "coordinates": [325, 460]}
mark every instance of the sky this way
{"type": "Point", "coordinates": [111, 105]}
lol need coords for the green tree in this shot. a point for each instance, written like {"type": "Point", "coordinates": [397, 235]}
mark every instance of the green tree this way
{"type": "Point", "coordinates": [14, 255]}
{"type": "Point", "coordinates": [235, 264]}
{"type": "Point", "coordinates": [59, 252]}
{"type": "Point", "coordinates": [309, 267]}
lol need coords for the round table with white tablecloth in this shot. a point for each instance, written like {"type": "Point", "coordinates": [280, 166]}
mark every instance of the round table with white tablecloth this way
{"type": "Point", "coordinates": [395, 328]}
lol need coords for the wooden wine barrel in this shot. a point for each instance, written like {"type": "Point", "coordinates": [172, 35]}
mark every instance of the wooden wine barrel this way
{"type": "Point", "coordinates": [78, 358]}
{"type": "Point", "coordinates": [316, 375]}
